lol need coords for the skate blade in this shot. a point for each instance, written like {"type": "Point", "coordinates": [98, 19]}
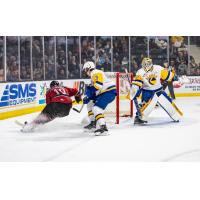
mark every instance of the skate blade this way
{"type": "Point", "coordinates": [140, 124]}
{"type": "Point", "coordinates": [88, 130]}
{"type": "Point", "coordinates": [106, 133]}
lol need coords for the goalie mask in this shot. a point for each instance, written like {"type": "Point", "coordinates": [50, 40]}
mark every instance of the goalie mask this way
{"type": "Point", "coordinates": [88, 66]}
{"type": "Point", "coordinates": [147, 64]}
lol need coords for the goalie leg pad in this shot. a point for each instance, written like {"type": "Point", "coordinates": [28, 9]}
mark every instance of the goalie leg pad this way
{"type": "Point", "coordinates": [168, 106]}
{"type": "Point", "coordinates": [149, 106]}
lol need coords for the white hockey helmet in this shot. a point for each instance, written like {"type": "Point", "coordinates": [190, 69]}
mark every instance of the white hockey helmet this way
{"type": "Point", "coordinates": [88, 66]}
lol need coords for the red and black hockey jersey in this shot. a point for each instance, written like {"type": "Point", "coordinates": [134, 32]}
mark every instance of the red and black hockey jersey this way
{"type": "Point", "coordinates": [60, 94]}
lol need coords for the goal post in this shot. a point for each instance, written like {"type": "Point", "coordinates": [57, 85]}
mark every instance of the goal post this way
{"type": "Point", "coordinates": [122, 106]}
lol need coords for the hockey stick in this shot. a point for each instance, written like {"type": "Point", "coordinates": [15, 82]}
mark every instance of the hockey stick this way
{"type": "Point", "coordinates": [135, 99]}
{"type": "Point", "coordinates": [79, 111]}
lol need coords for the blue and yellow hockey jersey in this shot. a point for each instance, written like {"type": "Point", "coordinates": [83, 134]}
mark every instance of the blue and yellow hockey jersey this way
{"type": "Point", "coordinates": [101, 82]}
{"type": "Point", "coordinates": [152, 80]}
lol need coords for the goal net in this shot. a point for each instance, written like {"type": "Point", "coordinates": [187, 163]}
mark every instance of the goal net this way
{"type": "Point", "coordinates": [122, 106]}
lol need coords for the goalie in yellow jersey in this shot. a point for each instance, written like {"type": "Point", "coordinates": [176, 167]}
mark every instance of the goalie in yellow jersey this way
{"type": "Point", "coordinates": [98, 95]}
{"type": "Point", "coordinates": [148, 83]}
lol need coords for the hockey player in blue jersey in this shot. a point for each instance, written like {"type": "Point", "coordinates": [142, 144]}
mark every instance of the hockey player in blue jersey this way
{"type": "Point", "coordinates": [99, 94]}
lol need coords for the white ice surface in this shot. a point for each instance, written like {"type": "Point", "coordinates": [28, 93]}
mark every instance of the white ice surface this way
{"type": "Point", "coordinates": [64, 139]}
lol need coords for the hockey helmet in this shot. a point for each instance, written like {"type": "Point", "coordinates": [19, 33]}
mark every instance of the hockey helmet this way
{"type": "Point", "coordinates": [54, 83]}
{"type": "Point", "coordinates": [88, 66]}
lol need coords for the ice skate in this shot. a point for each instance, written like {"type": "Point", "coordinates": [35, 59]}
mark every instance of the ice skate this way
{"type": "Point", "coordinates": [102, 131]}
{"type": "Point", "coordinates": [90, 126]}
{"type": "Point", "coordinates": [28, 127]}
{"type": "Point", "coordinates": [138, 120]}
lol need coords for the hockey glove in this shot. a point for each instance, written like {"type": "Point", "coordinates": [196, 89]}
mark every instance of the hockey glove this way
{"type": "Point", "coordinates": [86, 100]}
{"type": "Point", "coordinates": [78, 98]}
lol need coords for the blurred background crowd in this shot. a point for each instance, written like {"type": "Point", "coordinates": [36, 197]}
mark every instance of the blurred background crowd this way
{"type": "Point", "coordinates": [59, 57]}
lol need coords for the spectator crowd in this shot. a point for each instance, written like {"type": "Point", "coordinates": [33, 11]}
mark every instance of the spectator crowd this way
{"type": "Point", "coordinates": [61, 57]}
{"type": "Point", "coordinates": [1, 59]}
{"type": "Point", "coordinates": [103, 53]}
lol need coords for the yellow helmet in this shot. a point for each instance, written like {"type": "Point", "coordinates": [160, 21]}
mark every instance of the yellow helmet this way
{"type": "Point", "coordinates": [147, 63]}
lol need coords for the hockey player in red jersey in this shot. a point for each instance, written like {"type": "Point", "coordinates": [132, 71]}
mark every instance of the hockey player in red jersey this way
{"type": "Point", "coordinates": [59, 103]}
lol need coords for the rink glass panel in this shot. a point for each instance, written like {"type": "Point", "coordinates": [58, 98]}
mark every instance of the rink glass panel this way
{"type": "Point", "coordinates": [61, 59]}
{"type": "Point", "coordinates": [12, 58]}
{"type": "Point", "coordinates": [158, 49]}
{"type": "Point", "coordinates": [73, 48]}
{"type": "Point", "coordinates": [139, 50]}
{"type": "Point", "coordinates": [103, 53]}
{"type": "Point", "coordinates": [120, 53]}
{"type": "Point", "coordinates": [37, 58]}
{"type": "Point", "coordinates": [50, 57]}
{"type": "Point", "coordinates": [25, 58]}
{"type": "Point", "coordinates": [87, 51]}
{"type": "Point", "coordinates": [178, 54]}
{"type": "Point", "coordinates": [2, 59]}
{"type": "Point", "coordinates": [194, 59]}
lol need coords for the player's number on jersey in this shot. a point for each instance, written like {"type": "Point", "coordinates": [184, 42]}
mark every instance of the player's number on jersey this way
{"type": "Point", "coordinates": [60, 91]}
